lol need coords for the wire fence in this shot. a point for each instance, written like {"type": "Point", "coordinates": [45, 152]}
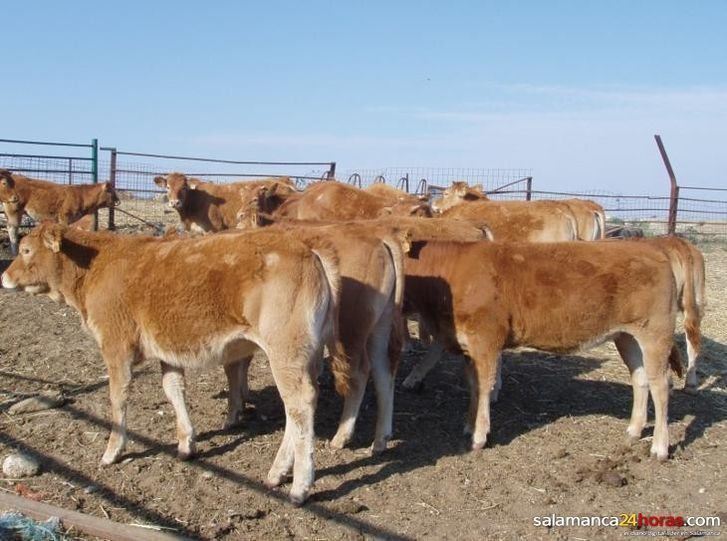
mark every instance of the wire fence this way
{"type": "Point", "coordinates": [701, 212]}
{"type": "Point", "coordinates": [132, 174]}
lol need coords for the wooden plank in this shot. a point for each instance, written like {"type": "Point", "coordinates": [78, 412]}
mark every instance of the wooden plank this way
{"type": "Point", "coordinates": [99, 527]}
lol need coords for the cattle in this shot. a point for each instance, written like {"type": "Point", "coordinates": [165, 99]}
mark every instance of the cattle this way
{"type": "Point", "coordinates": [372, 281]}
{"type": "Point", "coordinates": [514, 221]}
{"type": "Point", "coordinates": [381, 189]}
{"type": "Point", "coordinates": [327, 200]}
{"type": "Point", "coordinates": [479, 298]}
{"type": "Point", "coordinates": [43, 200]}
{"type": "Point", "coordinates": [206, 206]}
{"type": "Point", "coordinates": [688, 268]}
{"type": "Point", "coordinates": [197, 303]}
{"type": "Point", "coordinates": [588, 215]}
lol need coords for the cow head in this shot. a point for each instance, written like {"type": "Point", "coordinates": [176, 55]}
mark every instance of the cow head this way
{"type": "Point", "coordinates": [259, 201]}
{"type": "Point", "coordinates": [107, 196]}
{"type": "Point", "coordinates": [8, 194]}
{"type": "Point", "coordinates": [457, 193]}
{"type": "Point", "coordinates": [177, 186]}
{"type": "Point", "coordinates": [38, 264]}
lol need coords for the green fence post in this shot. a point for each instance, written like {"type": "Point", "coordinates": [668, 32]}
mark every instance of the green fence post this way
{"type": "Point", "coordinates": [94, 175]}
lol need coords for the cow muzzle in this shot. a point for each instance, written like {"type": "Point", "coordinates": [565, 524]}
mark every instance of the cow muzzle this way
{"type": "Point", "coordinates": [7, 282]}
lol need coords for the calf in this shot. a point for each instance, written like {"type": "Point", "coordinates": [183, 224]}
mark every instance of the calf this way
{"type": "Point", "coordinates": [479, 298]}
{"type": "Point", "coordinates": [513, 221]}
{"type": "Point", "coordinates": [336, 201]}
{"type": "Point", "coordinates": [43, 200]}
{"type": "Point", "coordinates": [688, 268]}
{"type": "Point", "coordinates": [196, 303]}
{"type": "Point", "coordinates": [206, 206]}
{"type": "Point", "coordinates": [395, 195]}
{"type": "Point", "coordinates": [372, 281]}
{"type": "Point", "coordinates": [588, 216]}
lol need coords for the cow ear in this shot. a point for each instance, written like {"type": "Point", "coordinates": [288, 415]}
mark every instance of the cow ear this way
{"type": "Point", "coordinates": [53, 237]}
{"type": "Point", "coordinates": [193, 183]}
{"type": "Point", "coordinates": [160, 181]}
{"type": "Point", "coordinates": [107, 187]}
{"type": "Point", "coordinates": [423, 198]}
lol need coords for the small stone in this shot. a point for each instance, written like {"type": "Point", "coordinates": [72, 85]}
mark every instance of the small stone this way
{"type": "Point", "coordinates": [90, 489]}
{"type": "Point", "coordinates": [18, 465]}
{"type": "Point", "coordinates": [702, 490]}
{"type": "Point", "coordinates": [207, 475]}
{"type": "Point", "coordinates": [613, 478]}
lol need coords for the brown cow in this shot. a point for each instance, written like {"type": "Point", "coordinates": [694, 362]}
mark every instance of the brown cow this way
{"type": "Point", "coordinates": [196, 303]}
{"type": "Point", "coordinates": [43, 200]}
{"type": "Point", "coordinates": [479, 298]}
{"type": "Point", "coordinates": [372, 282]}
{"type": "Point", "coordinates": [688, 267]}
{"type": "Point", "coordinates": [381, 189]}
{"type": "Point", "coordinates": [588, 215]}
{"type": "Point", "coordinates": [328, 200]}
{"type": "Point", "coordinates": [514, 221]}
{"type": "Point", "coordinates": [206, 206]}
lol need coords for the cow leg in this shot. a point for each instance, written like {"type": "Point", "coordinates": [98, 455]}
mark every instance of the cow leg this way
{"type": "Point", "coordinates": [173, 383]}
{"type": "Point", "coordinates": [296, 382]}
{"type": "Point", "coordinates": [384, 370]}
{"type": "Point", "coordinates": [13, 217]}
{"type": "Point", "coordinates": [630, 352]}
{"type": "Point", "coordinates": [495, 394]}
{"type": "Point", "coordinates": [424, 366]}
{"type": "Point", "coordinates": [471, 376]}
{"type": "Point", "coordinates": [656, 355]}
{"type": "Point", "coordinates": [693, 347]}
{"type": "Point", "coordinates": [358, 361]}
{"type": "Point", "coordinates": [484, 358]}
{"type": "Point", "coordinates": [118, 364]}
{"type": "Point", "coordinates": [238, 393]}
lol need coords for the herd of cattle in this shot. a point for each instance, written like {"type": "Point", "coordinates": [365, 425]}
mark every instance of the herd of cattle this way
{"type": "Point", "coordinates": [336, 268]}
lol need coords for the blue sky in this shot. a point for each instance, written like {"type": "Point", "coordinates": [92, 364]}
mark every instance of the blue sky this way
{"type": "Point", "coordinates": [574, 90]}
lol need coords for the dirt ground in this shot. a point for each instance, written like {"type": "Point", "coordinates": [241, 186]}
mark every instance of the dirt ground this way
{"type": "Point", "coordinates": [557, 447]}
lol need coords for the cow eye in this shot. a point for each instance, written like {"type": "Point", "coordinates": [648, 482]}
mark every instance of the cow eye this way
{"type": "Point", "coordinates": [25, 251]}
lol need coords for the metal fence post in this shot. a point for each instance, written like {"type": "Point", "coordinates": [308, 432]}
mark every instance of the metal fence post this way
{"type": "Point", "coordinates": [94, 175]}
{"type": "Point", "coordinates": [112, 181]}
{"type": "Point", "coordinates": [332, 171]}
{"type": "Point", "coordinates": [674, 191]}
{"type": "Point", "coordinates": [529, 189]}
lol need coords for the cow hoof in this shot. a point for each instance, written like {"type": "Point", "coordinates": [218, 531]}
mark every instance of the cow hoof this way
{"type": "Point", "coordinates": [231, 424]}
{"type": "Point", "coordinates": [337, 443]}
{"type": "Point", "coordinates": [661, 456]}
{"type": "Point", "coordinates": [273, 482]}
{"type": "Point", "coordinates": [186, 453]}
{"type": "Point", "coordinates": [413, 386]}
{"type": "Point", "coordinates": [298, 499]}
{"type": "Point", "coordinates": [478, 445]}
{"type": "Point", "coordinates": [110, 457]}
{"type": "Point", "coordinates": [690, 390]}
{"type": "Point", "coordinates": [378, 447]}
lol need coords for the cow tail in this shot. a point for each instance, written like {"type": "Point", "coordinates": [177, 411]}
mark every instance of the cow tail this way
{"type": "Point", "coordinates": [328, 260]}
{"type": "Point", "coordinates": [396, 339]}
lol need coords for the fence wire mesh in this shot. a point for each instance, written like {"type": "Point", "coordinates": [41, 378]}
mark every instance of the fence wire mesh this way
{"type": "Point", "coordinates": [702, 212]}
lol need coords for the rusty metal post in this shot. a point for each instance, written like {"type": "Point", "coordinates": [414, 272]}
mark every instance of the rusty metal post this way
{"type": "Point", "coordinates": [112, 181]}
{"type": "Point", "coordinates": [529, 189]}
{"type": "Point", "coordinates": [674, 191]}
